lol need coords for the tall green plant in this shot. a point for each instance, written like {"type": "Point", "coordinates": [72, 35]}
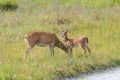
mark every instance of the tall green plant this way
{"type": "Point", "coordinates": [8, 4]}
{"type": "Point", "coordinates": [116, 2]}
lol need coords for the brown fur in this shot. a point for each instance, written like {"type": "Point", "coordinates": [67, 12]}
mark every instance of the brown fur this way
{"type": "Point", "coordinates": [45, 39]}
{"type": "Point", "coordinates": [81, 41]}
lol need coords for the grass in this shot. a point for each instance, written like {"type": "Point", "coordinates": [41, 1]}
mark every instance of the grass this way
{"type": "Point", "coordinates": [99, 23]}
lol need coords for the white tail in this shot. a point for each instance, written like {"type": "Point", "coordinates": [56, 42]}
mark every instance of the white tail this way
{"type": "Point", "coordinates": [43, 39]}
{"type": "Point", "coordinates": [79, 41]}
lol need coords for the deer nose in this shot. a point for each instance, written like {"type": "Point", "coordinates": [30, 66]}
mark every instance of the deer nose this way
{"type": "Point", "coordinates": [64, 37]}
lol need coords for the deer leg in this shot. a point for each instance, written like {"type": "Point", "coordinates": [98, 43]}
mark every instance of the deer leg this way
{"type": "Point", "coordinates": [84, 49]}
{"type": "Point", "coordinates": [29, 49]}
{"type": "Point", "coordinates": [89, 50]}
{"type": "Point", "coordinates": [70, 51]}
{"type": "Point", "coordinates": [51, 50]}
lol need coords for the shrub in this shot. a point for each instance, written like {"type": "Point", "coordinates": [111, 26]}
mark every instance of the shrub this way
{"type": "Point", "coordinates": [8, 4]}
{"type": "Point", "coordinates": [116, 2]}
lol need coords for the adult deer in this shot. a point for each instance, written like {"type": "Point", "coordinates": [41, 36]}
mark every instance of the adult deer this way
{"type": "Point", "coordinates": [81, 41]}
{"type": "Point", "coordinates": [43, 39]}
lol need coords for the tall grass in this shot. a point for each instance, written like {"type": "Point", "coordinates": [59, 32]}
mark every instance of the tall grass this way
{"type": "Point", "coordinates": [101, 25]}
{"type": "Point", "coordinates": [83, 3]}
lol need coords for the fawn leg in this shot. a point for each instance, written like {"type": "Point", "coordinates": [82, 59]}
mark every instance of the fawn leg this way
{"type": "Point", "coordinates": [89, 50]}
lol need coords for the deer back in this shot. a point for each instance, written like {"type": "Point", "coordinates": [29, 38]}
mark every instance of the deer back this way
{"type": "Point", "coordinates": [41, 37]}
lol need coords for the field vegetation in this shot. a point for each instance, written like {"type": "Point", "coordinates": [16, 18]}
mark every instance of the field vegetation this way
{"type": "Point", "coordinates": [99, 20]}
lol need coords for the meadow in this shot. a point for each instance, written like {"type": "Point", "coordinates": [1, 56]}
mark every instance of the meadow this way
{"type": "Point", "coordinates": [98, 20]}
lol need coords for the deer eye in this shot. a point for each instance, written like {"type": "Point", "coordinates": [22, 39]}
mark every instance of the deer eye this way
{"type": "Point", "coordinates": [63, 36]}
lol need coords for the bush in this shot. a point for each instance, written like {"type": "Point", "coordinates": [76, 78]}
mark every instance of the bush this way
{"type": "Point", "coordinates": [8, 4]}
{"type": "Point", "coordinates": [116, 2]}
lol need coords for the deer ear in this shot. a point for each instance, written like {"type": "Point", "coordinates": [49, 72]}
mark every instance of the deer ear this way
{"type": "Point", "coordinates": [66, 31]}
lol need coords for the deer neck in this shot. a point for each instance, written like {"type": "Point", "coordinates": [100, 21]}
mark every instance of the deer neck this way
{"type": "Point", "coordinates": [62, 46]}
{"type": "Point", "coordinates": [66, 39]}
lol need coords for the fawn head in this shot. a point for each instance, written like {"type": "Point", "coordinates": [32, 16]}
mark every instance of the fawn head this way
{"type": "Point", "coordinates": [64, 34]}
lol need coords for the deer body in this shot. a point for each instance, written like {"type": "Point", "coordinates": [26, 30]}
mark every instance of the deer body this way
{"type": "Point", "coordinates": [43, 39]}
{"type": "Point", "coordinates": [81, 41]}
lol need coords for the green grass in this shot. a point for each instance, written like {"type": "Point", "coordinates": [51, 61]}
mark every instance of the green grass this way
{"type": "Point", "coordinates": [100, 24]}
{"type": "Point", "coordinates": [83, 3]}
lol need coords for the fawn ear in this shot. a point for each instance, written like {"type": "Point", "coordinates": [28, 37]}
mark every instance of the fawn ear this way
{"type": "Point", "coordinates": [66, 31]}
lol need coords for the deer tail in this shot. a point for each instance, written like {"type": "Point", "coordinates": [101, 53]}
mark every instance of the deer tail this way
{"type": "Point", "coordinates": [87, 40]}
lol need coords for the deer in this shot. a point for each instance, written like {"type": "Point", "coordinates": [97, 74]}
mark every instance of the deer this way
{"type": "Point", "coordinates": [38, 38]}
{"type": "Point", "coordinates": [81, 41]}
